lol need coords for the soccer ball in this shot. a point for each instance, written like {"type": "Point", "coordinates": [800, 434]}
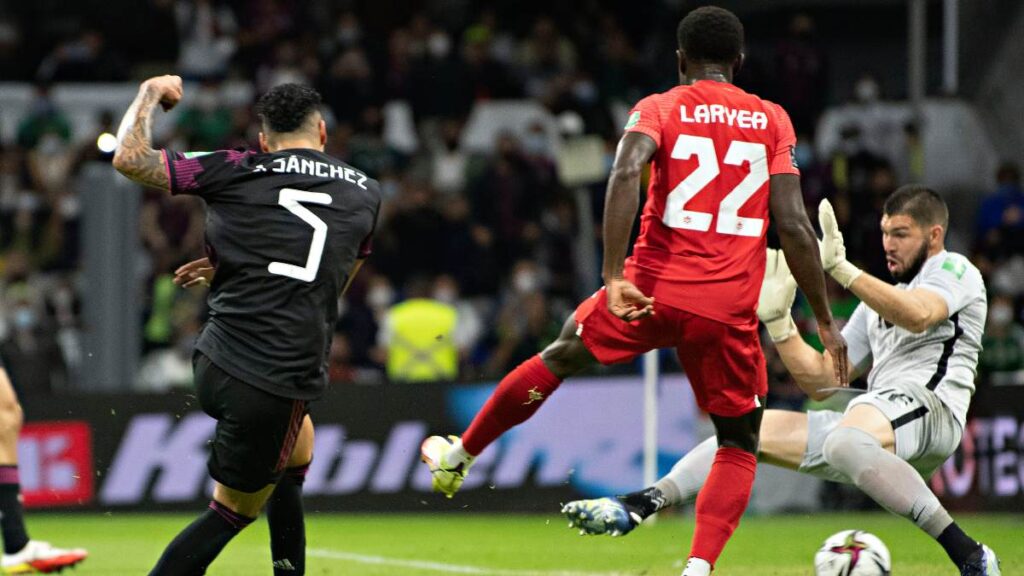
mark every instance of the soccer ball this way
{"type": "Point", "coordinates": [852, 553]}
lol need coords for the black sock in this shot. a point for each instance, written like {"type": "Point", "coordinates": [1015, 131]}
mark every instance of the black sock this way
{"type": "Point", "coordinates": [12, 520]}
{"type": "Point", "coordinates": [195, 548]}
{"type": "Point", "coordinates": [644, 502]}
{"type": "Point", "coordinates": [287, 524]}
{"type": "Point", "coordinates": [958, 546]}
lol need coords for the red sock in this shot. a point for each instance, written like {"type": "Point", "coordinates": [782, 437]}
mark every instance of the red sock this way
{"type": "Point", "coordinates": [721, 502]}
{"type": "Point", "coordinates": [517, 397]}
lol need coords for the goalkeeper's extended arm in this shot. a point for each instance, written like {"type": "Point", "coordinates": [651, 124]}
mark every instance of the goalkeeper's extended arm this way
{"type": "Point", "coordinates": [915, 310]}
{"type": "Point", "coordinates": [811, 371]}
{"type": "Point", "coordinates": [801, 248]}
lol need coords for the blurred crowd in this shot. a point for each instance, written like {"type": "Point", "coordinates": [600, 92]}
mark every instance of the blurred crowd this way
{"type": "Point", "coordinates": [477, 258]}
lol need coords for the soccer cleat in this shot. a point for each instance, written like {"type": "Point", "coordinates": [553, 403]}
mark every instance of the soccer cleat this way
{"type": "Point", "coordinates": [447, 477]}
{"type": "Point", "coordinates": [982, 563]}
{"type": "Point", "coordinates": [601, 516]}
{"type": "Point", "coordinates": [697, 567]}
{"type": "Point", "coordinates": [40, 557]}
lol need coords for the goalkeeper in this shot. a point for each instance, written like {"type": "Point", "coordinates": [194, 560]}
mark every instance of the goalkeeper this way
{"type": "Point", "coordinates": [920, 339]}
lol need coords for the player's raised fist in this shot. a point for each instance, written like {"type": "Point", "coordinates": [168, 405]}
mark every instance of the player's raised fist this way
{"type": "Point", "coordinates": [167, 87]}
{"type": "Point", "coordinates": [627, 302]}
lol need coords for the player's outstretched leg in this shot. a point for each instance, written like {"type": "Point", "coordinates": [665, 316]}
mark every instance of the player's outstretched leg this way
{"type": "Point", "coordinates": [899, 488]}
{"type": "Point", "coordinates": [783, 442]}
{"type": "Point", "coordinates": [285, 515]}
{"type": "Point", "coordinates": [256, 436]}
{"type": "Point", "coordinates": [518, 396]}
{"type": "Point", "coordinates": [21, 555]}
{"type": "Point", "coordinates": [619, 515]}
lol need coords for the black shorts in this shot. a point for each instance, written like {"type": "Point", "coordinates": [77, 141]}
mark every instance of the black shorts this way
{"type": "Point", "coordinates": [256, 431]}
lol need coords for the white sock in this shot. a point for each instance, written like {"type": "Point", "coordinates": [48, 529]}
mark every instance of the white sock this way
{"type": "Point", "coordinates": [684, 481]}
{"type": "Point", "coordinates": [458, 455]}
{"type": "Point", "coordinates": [697, 567]}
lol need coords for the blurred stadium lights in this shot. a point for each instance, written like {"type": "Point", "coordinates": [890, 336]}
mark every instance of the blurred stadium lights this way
{"type": "Point", "coordinates": [106, 142]}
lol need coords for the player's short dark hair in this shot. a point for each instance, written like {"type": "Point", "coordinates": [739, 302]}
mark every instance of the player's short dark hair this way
{"type": "Point", "coordinates": [921, 203]}
{"type": "Point", "coordinates": [711, 34]}
{"type": "Point", "coordinates": [285, 107]}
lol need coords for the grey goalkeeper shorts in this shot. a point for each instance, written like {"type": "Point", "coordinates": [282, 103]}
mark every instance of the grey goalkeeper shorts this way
{"type": "Point", "coordinates": [927, 434]}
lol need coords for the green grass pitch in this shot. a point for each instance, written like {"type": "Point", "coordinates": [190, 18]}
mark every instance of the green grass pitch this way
{"type": "Point", "coordinates": [517, 545]}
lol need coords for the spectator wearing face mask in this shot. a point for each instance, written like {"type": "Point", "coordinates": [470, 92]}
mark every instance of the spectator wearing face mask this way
{"type": "Point", "coordinates": [45, 135]}
{"type": "Point", "coordinates": [30, 351]}
{"type": "Point", "coordinates": [448, 161]}
{"type": "Point", "coordinates": [1002, 356]}
{"type": "Point", "coordinates": [524, 323]}
{"type": "Point", "coordinates": [469, 326]}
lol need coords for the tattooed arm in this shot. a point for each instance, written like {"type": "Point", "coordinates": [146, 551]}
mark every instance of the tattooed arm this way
{"type": "Point", "coordinates": [135, 156]}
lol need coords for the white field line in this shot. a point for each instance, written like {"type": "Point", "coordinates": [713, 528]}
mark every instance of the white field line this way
{"type": "Point", "coordinates": [427, 565]}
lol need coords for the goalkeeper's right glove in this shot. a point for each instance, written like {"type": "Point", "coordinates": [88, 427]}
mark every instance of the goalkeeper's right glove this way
{"type": "Point", "coordinates": [778, 291]}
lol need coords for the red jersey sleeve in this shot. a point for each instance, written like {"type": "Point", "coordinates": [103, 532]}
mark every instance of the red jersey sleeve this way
{"type": "Point", "coordinates": [783, 158]}
{"type": "Point", "coordinates": [645, 118]}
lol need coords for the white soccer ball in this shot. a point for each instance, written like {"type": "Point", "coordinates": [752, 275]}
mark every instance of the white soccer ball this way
{"type": "Point", "coordinates": [852, 553]}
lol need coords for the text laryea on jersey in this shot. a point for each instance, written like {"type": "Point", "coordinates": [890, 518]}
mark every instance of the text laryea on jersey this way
{"type": "Point", "coordinates": [716, 113]}
{"type": "Point", "coordinates": [297, 165]}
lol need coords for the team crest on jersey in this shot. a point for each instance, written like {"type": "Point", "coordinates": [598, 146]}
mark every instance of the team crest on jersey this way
{"type": "Point", "coordinates": [634, 119]}
{"type": "Point", "coordinates": [955, 266]}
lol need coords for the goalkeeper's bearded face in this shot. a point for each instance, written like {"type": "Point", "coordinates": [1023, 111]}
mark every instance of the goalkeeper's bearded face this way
{"type": "Point", "coordinates": [906, 246]}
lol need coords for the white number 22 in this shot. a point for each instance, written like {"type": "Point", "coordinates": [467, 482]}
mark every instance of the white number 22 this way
{"type": "Point", "coordinates": [707, 170]}
{"type": "Point", "coordinates": [291, 199]}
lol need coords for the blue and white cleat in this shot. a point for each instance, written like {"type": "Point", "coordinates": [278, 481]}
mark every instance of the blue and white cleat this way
{"type": "Point", "coordinates": [601, 516]}
{"type": "Point", "coordinates": [984, 564]}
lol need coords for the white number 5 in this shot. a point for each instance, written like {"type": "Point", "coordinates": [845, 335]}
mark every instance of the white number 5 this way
{"type": "Point", "coordinates": [290, 198]}
{"type": "Point", "coordinates": [729, 222]}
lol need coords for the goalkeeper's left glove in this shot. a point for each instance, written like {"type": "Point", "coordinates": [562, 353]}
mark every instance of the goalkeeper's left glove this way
{"type": "Point", "coordinates": [778, 291]}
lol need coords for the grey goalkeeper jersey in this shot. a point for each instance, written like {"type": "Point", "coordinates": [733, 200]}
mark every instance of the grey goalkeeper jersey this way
{"type": "Point", "coordinates": [943, 358]}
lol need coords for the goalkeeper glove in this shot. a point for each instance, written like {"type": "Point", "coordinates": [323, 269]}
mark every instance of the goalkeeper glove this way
{"type": "Point", "coordinates": [833, 251]}
{"type": "Point", "coordinates": [778, 290]}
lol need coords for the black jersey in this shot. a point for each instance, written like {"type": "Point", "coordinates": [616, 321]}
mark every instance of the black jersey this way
{"type": "Point", "coordinates": [284, 230]}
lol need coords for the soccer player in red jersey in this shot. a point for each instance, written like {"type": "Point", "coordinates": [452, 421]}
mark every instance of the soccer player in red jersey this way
{"type": "Point", "coordinates": [721, 158]}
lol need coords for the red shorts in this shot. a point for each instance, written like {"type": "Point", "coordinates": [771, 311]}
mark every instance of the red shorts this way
{"type": "Point", "coordinates": [723, 361]}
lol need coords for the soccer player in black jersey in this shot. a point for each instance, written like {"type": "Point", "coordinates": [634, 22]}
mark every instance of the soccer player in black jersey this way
{"type": "Point", "coordinates": [287, 228]}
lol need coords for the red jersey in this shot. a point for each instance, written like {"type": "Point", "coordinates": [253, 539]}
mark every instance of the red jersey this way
{"type": "Point", "coordinates": [702, 233]}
